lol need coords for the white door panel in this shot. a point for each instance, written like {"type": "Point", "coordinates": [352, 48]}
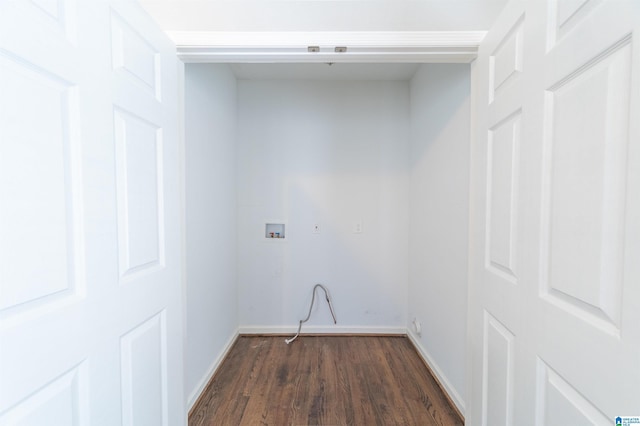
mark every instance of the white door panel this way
{"type": "Point", "coordinates": [90, 301]}
{"type": "Point", "coordinates": [554, 302]}
{"type": "Point", "coordinates": [585, 285]}
{"type": "Point", "coordinates": [495, 314]}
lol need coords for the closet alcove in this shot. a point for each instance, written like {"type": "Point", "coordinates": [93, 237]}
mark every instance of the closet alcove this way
{"type": "Point", "coordinates": [329, 150]}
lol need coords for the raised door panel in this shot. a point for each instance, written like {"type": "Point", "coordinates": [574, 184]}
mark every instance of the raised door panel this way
{"type": "Point", "coordinates": [40, 227]}
{"type": "Point", "coordinates": [56, 21]}
{"type": "Point", "coordinates": [502, 197]}
{"type": "Point", "coordinates": [63, 399]}
{"type": "Point", "coordinates": [564, 15]}
{"type": "Point", "coordinates": [587, 121]}
{"type": "Point", "coordinates": [134, 57]}
{"type": "Point", "coordinates": [139, 170]}
{"type": "Point", "coordinates": [559, 403]}
{"type": "Point", "coordinates": [506, 61]}
{"type": "Point", "coordinates": [143, 361]}
{"type": "Point", "coordinates": [498, 373]}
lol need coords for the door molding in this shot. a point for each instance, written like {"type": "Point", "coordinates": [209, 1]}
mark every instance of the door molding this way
{"type": "Point", "coordinates": [362, 47]}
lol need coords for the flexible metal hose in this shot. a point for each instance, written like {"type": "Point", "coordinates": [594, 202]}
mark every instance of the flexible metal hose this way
{"type": "Point", "coordinates": [313, 298]}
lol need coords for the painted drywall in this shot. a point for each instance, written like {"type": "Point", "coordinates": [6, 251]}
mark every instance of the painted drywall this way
{"type": "Point", "coordinates": [210, 173]}
{"type": "Point", "coordinates": [324, 15]}
{"type": "Point", "coordinates": [332, 153]}
{"type": "Point", "coordinates": [439, 191]}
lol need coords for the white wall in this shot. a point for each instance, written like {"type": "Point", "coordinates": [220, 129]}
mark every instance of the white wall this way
{"type": "Point", "coordinates": [323, 15]}
{"type": "Point", "coordinates": [332, 153]}
{"type": "Point", "coordinates": [438, 240]}
{"type": "Point", "coordinates": [210, 167]}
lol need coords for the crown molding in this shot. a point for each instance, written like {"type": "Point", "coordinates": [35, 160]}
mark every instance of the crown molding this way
{"type": "Point", "coordinates": [291, 46]}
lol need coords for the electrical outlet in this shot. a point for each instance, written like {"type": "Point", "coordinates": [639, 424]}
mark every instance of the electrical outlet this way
{"type": "Point", "coordinates": [417, 327]}
{"type": "Point", "coordinates": [357, 227]}
{"type": "Point", "coordinates": [316, 228]}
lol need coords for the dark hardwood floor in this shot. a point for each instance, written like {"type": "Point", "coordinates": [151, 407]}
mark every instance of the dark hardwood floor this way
{"type": "Point", "coordinates": [323, 380]}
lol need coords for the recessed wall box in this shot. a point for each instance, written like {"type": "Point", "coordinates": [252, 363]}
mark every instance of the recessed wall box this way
{"type": "Point", "coordinates": [274, 230]}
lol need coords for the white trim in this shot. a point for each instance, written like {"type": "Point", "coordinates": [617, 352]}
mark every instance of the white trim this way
{"type": "Point", "coordinates": [315, 329]}
{"type": "Point", "coordinates": [182, 194]}
{"type": "Point", "coordinates": [473, 99]}
{"type": "Point", "coordinates": [291, 46]}
{"type": "Point", "coordinates": [448, 387]}
{"type": "Point", "coordinates": [193, 397]}
{"type": "Point", "coordinates": [327, 38]}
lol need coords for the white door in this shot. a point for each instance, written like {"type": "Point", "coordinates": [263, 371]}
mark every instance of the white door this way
{"type": "Point", "coordinates": [554, 329]}
{"type": "Point", "coordinates": [90, 299]}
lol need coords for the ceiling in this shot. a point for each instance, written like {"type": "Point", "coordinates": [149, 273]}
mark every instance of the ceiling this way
{"type": "Point", "coordinates": [324, 15]}
{"type": "Point", "coordinates": [319, 71]}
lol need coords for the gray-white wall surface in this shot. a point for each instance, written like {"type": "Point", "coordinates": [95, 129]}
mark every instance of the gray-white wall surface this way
{"type": "Point", "coordinates": [332, 153]}
{"type": "Point", "coordinates": [439, 211]}
{"type": "Point", "coordinates": [210, 167]}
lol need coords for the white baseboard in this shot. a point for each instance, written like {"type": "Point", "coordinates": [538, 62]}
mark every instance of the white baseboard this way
{"type": "Point", "coordinates": [314, 329]}
{"type": "Point", "coordinates": [193, 397]}
{"type": "Point", "coordinates": [448, 388]}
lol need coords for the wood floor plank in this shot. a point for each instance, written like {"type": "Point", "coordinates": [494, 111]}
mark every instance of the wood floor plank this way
{"type": "Point", "coordinates": [323, 380]}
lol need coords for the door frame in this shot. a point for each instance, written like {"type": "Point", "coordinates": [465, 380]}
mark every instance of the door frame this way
{"type": "Point", "coordinates": [419, 47]}
{"type": "Point", "coordinates": [361, 46]}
